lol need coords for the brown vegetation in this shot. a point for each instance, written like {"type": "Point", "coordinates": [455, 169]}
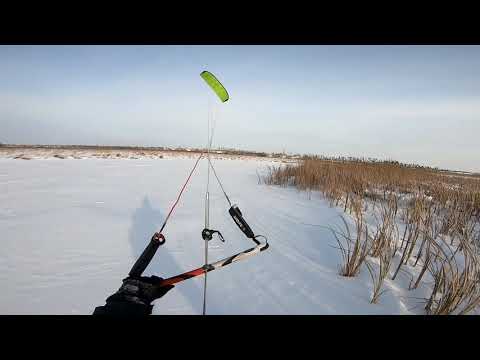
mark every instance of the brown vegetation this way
{"type": "Point", "coordinates": [438, 213]}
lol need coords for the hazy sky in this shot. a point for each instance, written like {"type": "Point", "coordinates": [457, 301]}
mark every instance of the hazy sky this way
{"type": "Point", "coordinates": [410, 103]}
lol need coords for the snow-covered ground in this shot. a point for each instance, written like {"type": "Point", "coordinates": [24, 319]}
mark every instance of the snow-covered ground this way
{"type": "Point", "coordinates": [70, 230]}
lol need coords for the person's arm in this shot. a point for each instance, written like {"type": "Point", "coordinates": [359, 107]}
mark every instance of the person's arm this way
{"type": "Point", "coordinates": [134, 297]}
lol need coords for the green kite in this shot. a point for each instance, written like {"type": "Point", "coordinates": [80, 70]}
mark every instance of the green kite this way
{"type": "Point", "coordinates": [215, 85]}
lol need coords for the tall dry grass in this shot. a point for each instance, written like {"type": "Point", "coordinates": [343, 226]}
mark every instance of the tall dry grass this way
{"type": "Point", "coordinates": [439, 213]}
{"type": "Point", "coordinates": [378, 278]}
{"type": "Point", "coordinates": [354, 248]}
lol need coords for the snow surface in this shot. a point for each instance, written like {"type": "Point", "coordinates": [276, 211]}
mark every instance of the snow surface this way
{"type": "Point", "coordinates": [70, 230]}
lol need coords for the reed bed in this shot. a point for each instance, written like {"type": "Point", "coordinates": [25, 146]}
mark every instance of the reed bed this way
{"type": "Point", "coordinates": [438, 213]}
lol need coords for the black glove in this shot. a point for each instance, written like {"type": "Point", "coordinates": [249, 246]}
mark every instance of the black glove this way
{"type": "Point", "coordinates": [134, 297]}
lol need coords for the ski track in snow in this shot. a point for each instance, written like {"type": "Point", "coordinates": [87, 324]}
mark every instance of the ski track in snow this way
{"type": "Point", "coordinates": [71, 230]}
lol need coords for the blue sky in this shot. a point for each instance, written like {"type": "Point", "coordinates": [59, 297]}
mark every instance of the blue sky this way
{"type": "Point", "coordinates": [410, 103]}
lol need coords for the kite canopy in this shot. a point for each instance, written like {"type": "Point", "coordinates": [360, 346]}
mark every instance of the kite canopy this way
{"type": "Point", "coordinates": [216, 85]}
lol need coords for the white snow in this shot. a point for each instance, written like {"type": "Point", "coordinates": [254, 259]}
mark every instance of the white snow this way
{"type": "Point", "coordinates": [70, 229]}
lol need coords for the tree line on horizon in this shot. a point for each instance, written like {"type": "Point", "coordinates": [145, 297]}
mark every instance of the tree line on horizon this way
{"type": "Point", "coordinates": [233, 151]}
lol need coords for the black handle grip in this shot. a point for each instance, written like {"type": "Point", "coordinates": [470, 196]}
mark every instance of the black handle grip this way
{"type": "Point", "coordinates": [141, 264]}
{"type": "Point", "coordinates": [236, 214]}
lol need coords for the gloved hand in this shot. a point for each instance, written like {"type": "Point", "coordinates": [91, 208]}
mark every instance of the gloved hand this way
{"type": "Point", "coordinates": [134, 297]}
